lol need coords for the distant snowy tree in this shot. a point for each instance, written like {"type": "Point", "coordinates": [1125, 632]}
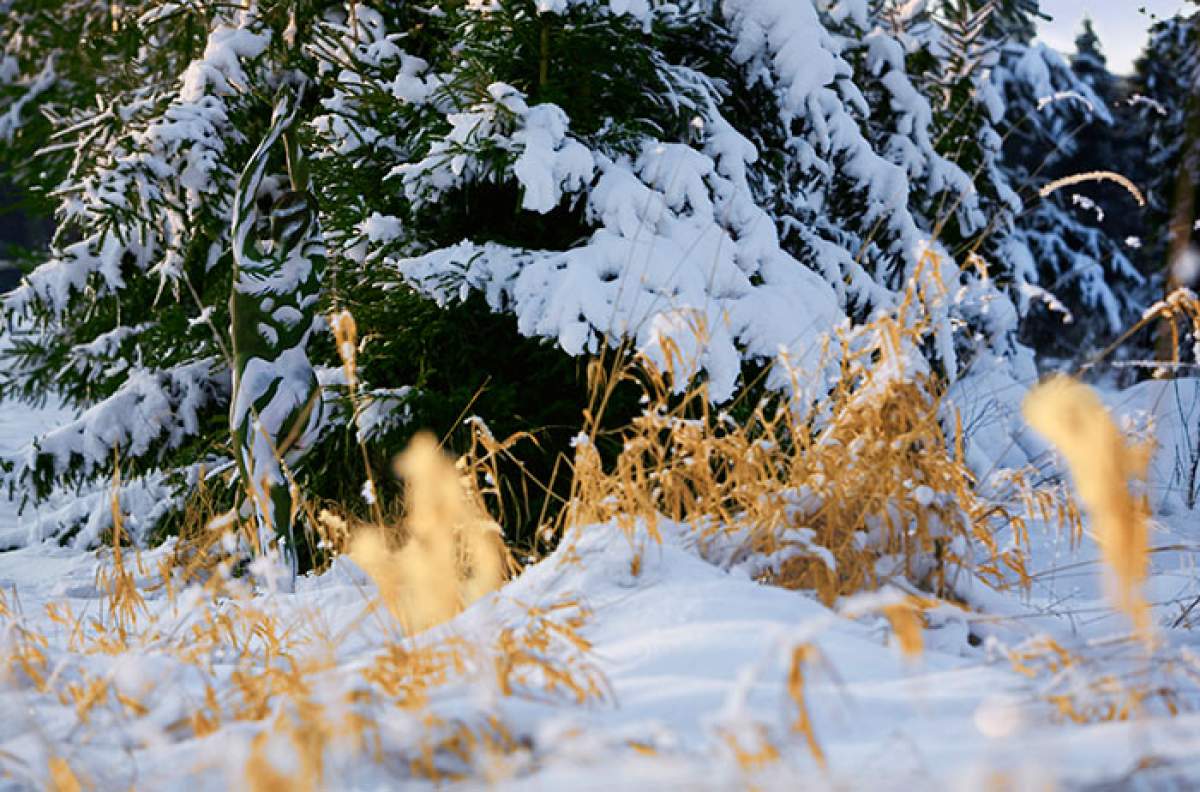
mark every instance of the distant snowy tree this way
{"type": "Point", "coordinates": [1090, 64]}
{"type": "Point", "coordinates": [1006, 111]}
{"type": "Point", "coordinates": [1105, 141]}
{"type": "Point", "coordinates": [1167, 94]}
{"type": "Point", "coordinates": [1081, 265]}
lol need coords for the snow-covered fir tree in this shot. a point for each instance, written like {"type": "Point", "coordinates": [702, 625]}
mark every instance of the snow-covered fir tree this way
{"type": "Point", "coordinates": [151, 119]}
{"type": "Point", "coordinates": [1167, 95]}
{"type": "Point", "coordinates": [1089, 62]}
{"type": "Point", "coordinates": [1087, 289]}
{"type": "Point", "coordinates": [726, 180]}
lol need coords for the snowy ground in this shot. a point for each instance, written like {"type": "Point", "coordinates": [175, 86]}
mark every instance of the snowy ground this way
{"type": "Point", "coordinates": [17, 424]}
{"type": "Point", "coordinates": [687, 662]}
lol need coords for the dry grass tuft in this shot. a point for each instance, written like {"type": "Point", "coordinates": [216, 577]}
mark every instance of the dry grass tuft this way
{"type": "Point", "coordinates": [1071, 415]}
{"type": "Point", "coordinates": [447, 552]}
{"type": "Point", "coordinates": [277, 667]}
{"type": "Point", "coordinates": [124, 600]}
{"type": "Point", "coordinates": [837, 497]}
{"type": "Point", "coordinates": [1180, 307]}
{"type": "Point", "coordinates": [752, 749]}
{"type": "Point", "coordinates": [867, 485]}
{"type": "Point", "coordinates": [1107, 680]}
{"type": "Point", "coordinates": [452, 553]}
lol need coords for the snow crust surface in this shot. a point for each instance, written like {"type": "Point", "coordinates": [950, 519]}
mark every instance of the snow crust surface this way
{"type": "Point", "coordinates": [692, 657]}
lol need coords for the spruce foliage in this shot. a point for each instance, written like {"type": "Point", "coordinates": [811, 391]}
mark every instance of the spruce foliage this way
{"type": "Point", "coordinates": [1060, 121]}
{"type": "Point", "coordinates": [713, 184]}
{"type": "Point", "coordinates": [1167, 97]}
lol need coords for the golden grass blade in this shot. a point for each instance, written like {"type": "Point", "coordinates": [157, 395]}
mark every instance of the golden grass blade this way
{"type": "Point", "coordinates": [1093, 176]}
{"type": "Point", "coordinates": [801, 657]}
{"type": "Point", "coordinates": [1102, 463]}
{"type": "Point", "coordinates": [62, 778]}
{"type": "Point", "coordinates": [905, 618]}
{"type": "Point", "coordinates": [452, 553]}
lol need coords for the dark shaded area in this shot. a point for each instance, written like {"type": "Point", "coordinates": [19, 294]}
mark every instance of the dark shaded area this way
{"type": "Point", "coordinates": [9, 278]}
{"type": "Point", "coordinates": [20, 233]}
{"type": "Point", "coordinates": [465, 360]}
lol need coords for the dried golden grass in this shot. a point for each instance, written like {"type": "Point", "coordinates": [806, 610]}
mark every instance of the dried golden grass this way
{"type": "Point", "coordinates": [802, 655]}
{"type": "Point", "coordinates": [445, 553]}
{"type": "Point", "coordinates": [1180, 307]}
{"type": "Point", "coordinates": [908, 626]}
{"type": "Point", "coordinates": [452, 552]}
{"type": "Point", "coordinates": [1095, 176]}
{"type": "Point", "coordinates": [1107, 469]}
{"type": "Point", "coordinates": [62, 778]}
{"type": "Point", "coordinates": [1101, 683]}
{"type": "Point", "coordinates": [864, 488]}
{"type": "Point", "coordinates": [124, 601]}
{"type": "Point", "coordinates": [752, 749]}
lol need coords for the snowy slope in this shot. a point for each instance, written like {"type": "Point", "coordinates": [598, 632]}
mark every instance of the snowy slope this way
{"type": "Point", "coordinates": [691, 656]}
{"type": "Point", "coordinates": [688, 660]}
